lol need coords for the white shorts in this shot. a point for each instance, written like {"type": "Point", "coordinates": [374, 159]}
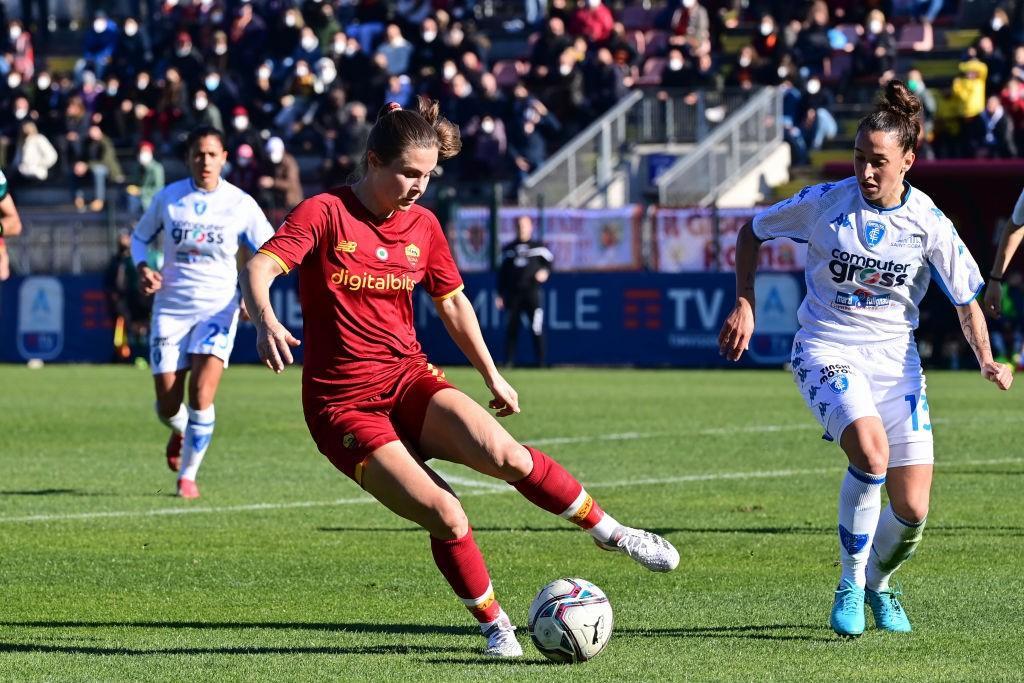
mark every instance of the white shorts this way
{"type": "Point", "coordinates": [843, 383]}
{"type": "Point", "coordinates": [174, 336]}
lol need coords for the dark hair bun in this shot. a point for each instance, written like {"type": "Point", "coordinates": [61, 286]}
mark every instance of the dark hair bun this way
{"type": "Point", "coordinates": [898, 99]}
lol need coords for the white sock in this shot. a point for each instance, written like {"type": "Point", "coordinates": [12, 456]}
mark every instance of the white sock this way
{"type": "Point", "coordinates": [177, 423]}
{"type": "Point", "coordinates": [197, 439]}
{"type": "Point", "coordinates": [604, 530]}
{"type": "Point", "coordinates": [895, 543]}
{"type": "Point", "coordinates": [860, 504]}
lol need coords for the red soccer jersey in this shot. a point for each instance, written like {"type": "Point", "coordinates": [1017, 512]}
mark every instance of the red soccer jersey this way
{"type": "Point", "coordinates": [356, 277]}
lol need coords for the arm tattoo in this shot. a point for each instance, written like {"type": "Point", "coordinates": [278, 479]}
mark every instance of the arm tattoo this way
{"type": "Point", "coordinates": [976, 337]}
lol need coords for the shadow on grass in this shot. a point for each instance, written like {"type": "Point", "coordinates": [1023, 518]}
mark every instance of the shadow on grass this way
{"type": "Point", "coordinates": [566, 528]}
{"type": "Point", "coordinates": [753, 632]}
{"type": "Point", "coordinates": [53, 492]}
{"type": "Point", "coordinates": [134, 652]}
{"type": "Point", "coordinates": [341, 627]}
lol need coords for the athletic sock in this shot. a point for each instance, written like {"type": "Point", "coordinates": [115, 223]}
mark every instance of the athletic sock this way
{"type": "Point", "coordinates": [550, 487]}
{"type": "Point", "coordinates": [178, 422]}
{"type": "Point", "coordinates": [463, 568]}
{"type": "Point", "coordinates": [895, 542]}
{"type": "Point", "coordinates": [860, 503]}
{"type": "Point", "coordinates": [198, 434]}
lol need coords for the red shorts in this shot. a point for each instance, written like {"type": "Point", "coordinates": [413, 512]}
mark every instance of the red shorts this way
{"type": "Point", "coordinates": [348, 434]}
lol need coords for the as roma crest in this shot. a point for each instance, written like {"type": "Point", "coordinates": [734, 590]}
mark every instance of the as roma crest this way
{"type": "Point", "coordinates": [412, 252]}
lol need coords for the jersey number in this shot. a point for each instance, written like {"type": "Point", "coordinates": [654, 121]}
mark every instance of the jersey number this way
{"type": "Point", "coordinates": [919, 423]}
{"type": "Point", "coordinates": [218, 331]}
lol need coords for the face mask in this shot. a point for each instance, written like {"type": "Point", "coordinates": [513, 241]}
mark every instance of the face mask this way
{"type": "Point", "coordinates": [997, 24]}
{"type": "Point", "coordinates": [449, 72]}
{"type": "Point", "coordinates": [782, 71]}
{"type": "Point", "coordinates": [130, 30]}
{"type": "Point", "coordinates": [565, 69]}
{"type": "Point", "coordinates": [220, 49]}
{"type": "Point", "coordinates": [328, 74]}
{"type": "Point", "coordinates": [15, 32]}
{"type": "Point", "coordinates": [212, 82]}
{"type": "Point", "coordinates": [142, 83]}
{"type": "Point", "coordinates": [183, 50]}
{"type": "Point", "coordinates": [14, 80]}
{"type": "Point", "coordinates": [113, 88]}
{"type": "Point", "coordinates": [766, 29]}
{"type": "Point", "coordinates": [875, 26]}
{"type": "Point", "coordinates": [20, 113]}
{"type": "Point", "coordinates": [744, 61]}
{"type": "Point", "coordinates": [309, 44]}
{"type": "Point", "coordinates": [675, 64]}
{"type": "Point", "coordinates": [397, 40]}
{"type": "Point", "coordinates": [429, 36]}
{"type": "Point", "coordinates": [276, 157]}
{"type": "Point", "coordinates": [915, 85]}
{"type": "Point", "coordinates": [350, 50]}
{"type": "Point", "coordinates": [201, 103]}
{"type": "Point", "coordinates": [241, 122]}
{"type": "Point", "coordinates": [487, 126]}
{"type": "Point", "coordinates": [217, 17]}
{"type": "Point", "coordinates": [593, 4]}
{"type": "Point", "coordinates": [338, 48]}
{"type": "Point", "coordinates": [689, 3]}
{"type": "Point", "coordinates": [264, 74]}
{"type": "Point", "coordinates": [813, 87]}
{"type": "Point", "coordinates": [289, 20]}
{"type": "Point", "coordinates": [302, 71]}
{"type": "Point", "coordinates": [44, 82]}
{"type": "Point", "coordinates": [145, 157]}
{"type": "Point", "coordinates": [99, 26]}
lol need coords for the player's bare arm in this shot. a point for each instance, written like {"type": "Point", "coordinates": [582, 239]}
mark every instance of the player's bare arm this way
{"type": "Point", "coordinates": [739, 326]}
{"type": "Point", "coordinates": [460, 320]}
{"type": "Point", "coordinates": [972, 322]}
{"type": "Point", "coordinates": [150, 280]}
{"type": "Point", "coordinates": [1009, 241]}
{"type": "Point", "coordinates": [9, 218]}
{"type": "Point", "coordinates": [273, 340]}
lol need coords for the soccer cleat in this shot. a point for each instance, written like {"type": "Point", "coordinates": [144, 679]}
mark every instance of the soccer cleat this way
{"type": "Point", "coordinates": [887, 610]}
{"type": "Point", "coordinates": [848, 610]}
{"type": "Point", "coordinates": [174, 444]}
{"type": "Point", "coordinates": [187, 489]}
{"type": "Point", "coordinates": [501, 639]}
{"type": "Point", "coordinates": [650, 550]}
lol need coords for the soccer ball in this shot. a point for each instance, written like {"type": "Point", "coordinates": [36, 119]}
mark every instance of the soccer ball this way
{"type": "Point", "coordinates": [570, 620]}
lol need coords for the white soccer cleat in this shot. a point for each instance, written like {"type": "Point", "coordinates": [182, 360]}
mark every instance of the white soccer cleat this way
{"type": "Point", "coordinates": [650, 550]}
{"type": "Point", "coordinates": [501, 639]}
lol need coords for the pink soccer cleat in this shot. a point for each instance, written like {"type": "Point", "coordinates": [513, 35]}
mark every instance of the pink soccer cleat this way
{"type": "Point", "coordinates": [187, 488]}
{"type": "Point", "coordinates": [174, 445]}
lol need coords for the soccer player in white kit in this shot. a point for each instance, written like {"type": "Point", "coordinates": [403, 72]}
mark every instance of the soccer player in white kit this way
{"type": "Point", "coordinates": [1009, 241]}
{"type": "Point", "coordinates": [873, 245]}
{"type": "Point", "coordinates": [202, 221]}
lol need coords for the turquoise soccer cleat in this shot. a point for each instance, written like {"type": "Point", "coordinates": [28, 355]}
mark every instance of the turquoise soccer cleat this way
{"type": "Point", "coordinates": [887, 610]}
{"type": "Point", "coordinates": [848, 610]}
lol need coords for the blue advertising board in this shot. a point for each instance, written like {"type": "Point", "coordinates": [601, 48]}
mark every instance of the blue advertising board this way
{"type": "Point", "coordinates": [635, 318]}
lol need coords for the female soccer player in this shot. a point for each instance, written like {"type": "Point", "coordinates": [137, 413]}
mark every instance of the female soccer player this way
{"type": "Point", "coordinates": [1009, 241]}
{"type": "Point", "coordinates": [373, 404]}
{"type": "Point", "coordinates": [873, 245]}
{"type": "Point", "coordinates": [204, 220]}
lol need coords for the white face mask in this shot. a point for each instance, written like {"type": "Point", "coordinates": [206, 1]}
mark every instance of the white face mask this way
{"type": "Point", "coordinates": [264, 74]}
{"type": "Point", "coordinates": [15, 32]}
{"type": "Point", "coordinates": [14, 80]}
{"type": "Point", "coordinates": [220, 49]}
{"type": "Point", "coordinates": [875, 26]}
{"type": "Point", "coordinates": [145, 157]}
{"type": "Point", "coordinates": [289, 19]}
{"type": "Point", "coordinates": [813, 86]}
{"type": "Point", "coordinates": [766, 29]}
{"type": "Point", "coordinates": [782, 71]}
{"type": "Point", "coordinates": [350, 50]}
{"type": "Point", "coordinates": [745, 61]}
{"type": "Point", "coordinates": [565, 69]}
{"type": "Point", "coordinates": [99, 26]}
{"type": "Point", "coordinates": [328, 74]}
{"type": "Point", "coordinates": [44, 82]}
{"type": "Point", "coordinates": [689, 3]}
{"type": "Point", "coordinates": [309, 43]}
{"type": "Point", "coordinates": [112, 88]}
{"type": "Point", "coordinates": [302, 71]}
{"type": "Point", "coordinates": [593, 4]}
{"type": "Point", "coordinates": [429, 36]}
{"type": "Point", "coordinates": [142, 83]}
{"type": "Point", "coordinates": [675, 64]}
{"type": "Point", "coordinates": [212, 82]}
{"type": "Point", "coordinates": [997, 24]}
{"type": "Point", "coordinates": [201, 103]}
{"type": "Point", "coordinates": [241, 122]}
{"type": "Point", "coordinates": [487, 126]}
{"type": "Point", "coordinates": [183, 50]}
{"type": "Point", "coordinates": [276, 156]}
{"type": "Point", "coordinates": [20, 113]}
{"type": "Point", "coordinates": [449, 72]}
{"type": "Point", "coordinates": [397, 40]}
{"type": "Point", "coordinates": [131, 29]}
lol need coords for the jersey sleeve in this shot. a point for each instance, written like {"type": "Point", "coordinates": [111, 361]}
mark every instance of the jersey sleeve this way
{"type": "Point", "coordinates": [1018, 210]}
{"type": "Point", "coordinates": [300, 233]}
{"type": "Point", "coordinates": [952, 265]}
{"type": "Point", "coordinates": [442, 279]}
{"type": "Point", "coordinates": [3, 185]}
{"type": "Point", "coordinates": [257, 229]}
{"type": "Point", "coordinates": [794, 217]}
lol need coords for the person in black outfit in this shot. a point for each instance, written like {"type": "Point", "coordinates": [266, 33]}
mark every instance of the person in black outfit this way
{"type": "Point", "coordinates": [525, 266]}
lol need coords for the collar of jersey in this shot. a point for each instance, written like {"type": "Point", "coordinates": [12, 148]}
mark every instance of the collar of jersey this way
{"type": "Point", "coordinates": [367, 215]}
{"type": "Point", "coordinates": [196, 188]}
{"type": "Point", "coordinates": [879, 209]}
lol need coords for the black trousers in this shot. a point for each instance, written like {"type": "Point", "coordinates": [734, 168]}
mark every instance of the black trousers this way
{"type": "Point", "coordinates": [528, 303]}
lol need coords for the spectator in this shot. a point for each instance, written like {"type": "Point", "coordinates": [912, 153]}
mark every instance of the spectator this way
{"type": "Point", "coordinates": [564, 94]}
{"type": "Point", "coordinates": [525, 267]}
{"type": "Point", "coordinates": [131, 52]}
{"type": "Point", "coordinates": [35, 155]}
{"type": "Point", "coordinates": [812, 48]}
{"type": "Point", "coordinates": [690, 28]}
{"type": "Point", "coordinates": [621, 48]}
{"type": "Point", "coordinates": [874, 57]}
{"type": "Point", "coordinates": [929, 111]}
{"type": "Point", "coordinates": [285, 38]}
{"type": "Point", "coordinates": [998, 69]}
{"type": "Point", "coordinates": [1017, 65]}
{"type": "Point", "coordinates": [187, 62]}
{"type": "Point", "coordinates": [22, 53]}
{"type": "Point", "coordinates": [98, 159]}
{"type": "Point", "coordinates": [110, 106]}
{"type": "Point", "coordinates": [242, 133]}
{"type": "Point", "coordinates": [308, 49]}
{"type": "Point", "coordinates": [280, 187]}
{"type": "Point", "coordinates": [767, 42]}
{"type": "Point", "coordinates": [678, 75]}
{"type": "Point", "coordinates": [428, 52]}
{"type": "Point", "coordinates": [148, 180]}
{"type": "Point", "coordinates": [221, 91]}
{"type": "Point", "coordinates": [819, 124]}
{"type": "Point", "coordinates": [98, 45]}
{"type": "Point", "coordinates": [549, 47]}
{"type": "Point", "coordinates": [329, 27]}
{"type": "Point", "coordinates": [1000, 32]}
{"type": "Point", "coordinates": [129, 308]}
{"type": "Point", "coordinates": [10, 130]}
{"type": "Point", "coordinates": [606, 81]}
{"type": "Point", "coordinates": [1012, 97]}
{"type": "Point", "coordinates": [204, 112]}
{"type": "Point", "coordinates": [264, 102]}
{"type": "Point", "coordinates": [350, 141]}
{"type": "Point", "coordinates": [792, 106]}
{"type": "Point", "coordinates": [246, 170]}
{"type": "Point", "coordinates": [247, 38]}
{"type": "Point", "coordinates": [968, 90]}
{"type": "Point", "coordinates": [219, 60]}
{"type": "Point", "coordinates": [489, 148]}
{"type": "Point", "coordinates": [991, 133]}
{"type": "Point", "coordinates": [592, 20]}
{"type": "Point", "coordinates": [172, 106]}
{"type": "Point", "coordinates": [527, 144]}
{"type": "Point", "coordinates": [397, 49]}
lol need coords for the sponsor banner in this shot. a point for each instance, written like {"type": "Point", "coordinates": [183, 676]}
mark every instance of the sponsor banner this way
{"type": "Point", "coordinates": [633, 318]}
{"type": "Point", "coordinates": [686, 242]}
{"type": "Point", "coordinates": [580, 239]}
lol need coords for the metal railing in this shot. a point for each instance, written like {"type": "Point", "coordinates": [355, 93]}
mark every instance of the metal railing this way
{"type": "Point", "coordinates": [61, 242]}
{"type": "Point", "coordinates": [731, 151]}
{"type": "Point", "coordinates": [588, 162]}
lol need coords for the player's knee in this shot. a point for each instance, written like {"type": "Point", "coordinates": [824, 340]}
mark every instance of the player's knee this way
{"type": "Point", "coordinates": [912, 509]}
{"type": "Point", "coordinates": [512, 460]}
{"type": "Point", "coordinates": [200, 398]}
{"type": "Point", "coordinates": [876, 457]}
{"type": "Point", "coordinates": [449, 519]}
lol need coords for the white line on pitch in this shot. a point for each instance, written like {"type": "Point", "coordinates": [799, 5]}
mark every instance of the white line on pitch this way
{"type": "Point", "coordinates": [498, 489]}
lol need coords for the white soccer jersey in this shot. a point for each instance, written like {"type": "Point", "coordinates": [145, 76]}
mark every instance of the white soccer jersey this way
{"type": "Point", "coordinates": [868, 268]}
{"type": "Point", "coordinates": [201, 235]}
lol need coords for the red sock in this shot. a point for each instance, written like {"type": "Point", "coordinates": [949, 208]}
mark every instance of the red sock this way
{"type": "Point", "coordinates": [463, 567]}
{"type": "Point", "coordinates": [550, 487]}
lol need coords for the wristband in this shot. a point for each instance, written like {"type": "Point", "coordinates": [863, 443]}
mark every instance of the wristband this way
{"type": "Point", "coordinates": [997, 279]}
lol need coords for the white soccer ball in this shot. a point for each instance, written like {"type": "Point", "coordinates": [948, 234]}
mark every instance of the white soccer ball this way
{"type": "Point", "coordinates": [570, 620]}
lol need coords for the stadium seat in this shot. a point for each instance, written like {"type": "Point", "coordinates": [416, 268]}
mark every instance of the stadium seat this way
{"type": "Point", "coordinates": [506, 72]}
{"type": "Point", "coordinates": [637, 41]}
{"type": "Point", "coordinates": [652, 71]}
{"type": "Point", "coordinates": [657, 43]}
{"type": "Point", "coordinates": [851, 32]}
{"type": "Point", "coordinates": [636, 17]}
{"type": "Point", "coordinates": [914, 38]}
{"type": "Point", "coordinates": [840, 64]}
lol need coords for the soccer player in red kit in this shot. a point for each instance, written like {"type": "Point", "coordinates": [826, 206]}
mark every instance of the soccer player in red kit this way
{"type": "Point", "coordinates": [374, 405]}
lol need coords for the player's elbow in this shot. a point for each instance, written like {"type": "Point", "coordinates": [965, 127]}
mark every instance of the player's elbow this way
{"type": "Point", "coordinates": [12, 225]}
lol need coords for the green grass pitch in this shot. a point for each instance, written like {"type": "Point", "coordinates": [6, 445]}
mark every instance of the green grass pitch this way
{"type": "Point", "coordinates": [284, 570]}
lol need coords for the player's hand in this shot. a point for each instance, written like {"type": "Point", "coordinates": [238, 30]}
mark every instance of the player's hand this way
{"type": "Point", "coordinates": [243, 312]}
{"type": "Point", "coordinates": [999, 373]}
{"type": "Point", "coordinates": [273, 344]}
{"type": "Point", "coordinates": [150, 281]}
{"type": "Point", "coordinates": [506, 400]}
{"type": "Point", "coordinates": [734, 338]}
{"type": "Point", "coordinates": [499, 303]}
{"type": "Point", "coordinates": [992, 304]}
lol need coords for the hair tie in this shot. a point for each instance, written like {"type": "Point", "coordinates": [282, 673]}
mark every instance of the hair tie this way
{"type": "Point", "coordinates": [393, 106]}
